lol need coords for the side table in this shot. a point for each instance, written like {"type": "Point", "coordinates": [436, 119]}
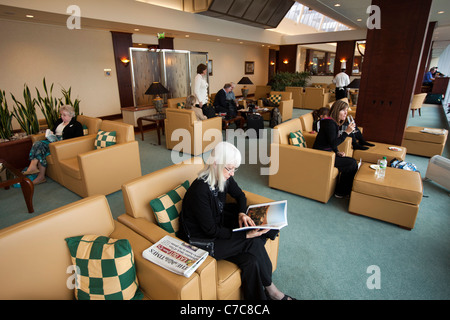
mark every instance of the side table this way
{"type": "Point", "coordinates": [10, 175]}
{"type": "Point", "coordinates": [158, 119]}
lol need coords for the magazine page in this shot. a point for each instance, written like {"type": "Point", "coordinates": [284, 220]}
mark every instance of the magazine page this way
{"type": "Point", "coordinates": [175, 255]}
{"type": "Point", "coordinates": [271, 215]}
{"type": "Point", "coordinates": [50, 136]}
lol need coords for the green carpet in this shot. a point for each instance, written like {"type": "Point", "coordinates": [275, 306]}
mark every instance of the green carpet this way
{"type": "Point", "coordinates": [325, 252]}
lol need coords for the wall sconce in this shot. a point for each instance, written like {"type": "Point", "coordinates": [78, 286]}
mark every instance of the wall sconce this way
{"type": "Point", "coordinates": [343, 64]}
{"type": "Point", "coordinates": [125, 61]}
{"type": "Point", "coordinates": [272, 63]}
{"type": "Point", "coordinates": [285, 61]}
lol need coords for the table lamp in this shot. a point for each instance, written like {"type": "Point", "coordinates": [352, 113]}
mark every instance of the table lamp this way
{"type": "Point", "coordinates": [244, 90]}
{"type": "Point", "coordinates": [354, 85]}
{"type": "Point", "coordinates": [157, 88]}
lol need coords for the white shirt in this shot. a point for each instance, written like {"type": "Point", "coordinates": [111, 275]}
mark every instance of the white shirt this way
{"type": "Point", "coordinates": [341, 80]}
{"type": "Point", "coordinates": [200, 89]}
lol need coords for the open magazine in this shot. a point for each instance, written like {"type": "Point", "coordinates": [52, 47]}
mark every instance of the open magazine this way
{"type": "Point", "coordinates": [50, 136]}
{"type": "Point", "coordinates": [175, 255]}
{"type": "Point", "coordinates": [271, 215]}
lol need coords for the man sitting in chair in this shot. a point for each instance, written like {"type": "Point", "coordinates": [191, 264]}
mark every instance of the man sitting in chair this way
{"type": "Point", "coordinates": [222, 105]}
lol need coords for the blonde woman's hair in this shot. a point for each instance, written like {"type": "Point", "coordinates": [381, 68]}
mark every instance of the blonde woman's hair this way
{"type": "Point", "coordinates": [224, 154]}
{"type": "Point", "coordinates": [68, 109]}
{"type": "Point", "coordinates": [190, 102]}
{"type": "Point", "coordinates": [337, 107]}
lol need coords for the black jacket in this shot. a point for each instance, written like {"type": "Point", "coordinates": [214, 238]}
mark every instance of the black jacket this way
{"type": "Point", "coordinates": [72, 130]}
{"type": "Point", "coordinates": [201, 215]}
{"type": "Point", "coordinates": [220, 101]}
{"type": "Point", "coordinates": [328, 137]}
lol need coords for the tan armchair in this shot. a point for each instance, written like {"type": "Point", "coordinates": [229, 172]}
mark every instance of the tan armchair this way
{"type": "Point", "coordinates": [172, 102]}
{"type": "Point", "coordinates": [218, 279]}
{"type": "Point", "coordinates": [286, 105]}
{"type": "Point", "coordinates": [93, 124]}
{"type": "Point", "coordinates": [315, 98]}
{"type": "Point", "coordinates": [297, 96]}
{"type": "Point", "coordinates": [306, 172]}
{"type": "Point", "coordinates": [262, 92]}
{"type": "Point", "coordinates": [87, 171]}
{"type": "Point", "coordinates": [184, 133]}
{"type": "Point", "coordinates": [417, 103]}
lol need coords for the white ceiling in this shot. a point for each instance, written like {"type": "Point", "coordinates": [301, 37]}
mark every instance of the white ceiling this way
{"type": "Point", "coordinates": [347, 13]}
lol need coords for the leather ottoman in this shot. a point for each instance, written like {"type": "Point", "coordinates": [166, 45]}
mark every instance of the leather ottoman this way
{"type": "Point", "coordinates": [377, 152]}
{"type": "Point", "coordinates": [424, 144]}
{"type": "Point", "coordinates": [394, 198]}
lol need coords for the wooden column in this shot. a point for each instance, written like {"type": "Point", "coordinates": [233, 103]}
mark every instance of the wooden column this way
{"type": "Point", "coordinates": [425, 57]}
{"type": "Point", "coordinates": [289, 53]}
{"type": "Point", "coordinates": [389, 72]}
{"type": "Point", "coordinates": [272, 59]}
{"type": "Point", "coordinates": [121, 44]}
{"type": "Point", "coordinates": [166, 43]}
{"type": "Point", "coordinates": [344, 50]}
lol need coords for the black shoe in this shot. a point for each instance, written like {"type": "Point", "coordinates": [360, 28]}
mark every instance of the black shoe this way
{"type": "Point", "coordinates": [365, 143]}
{"type": "Point", "coordinates": [342, 196]}
{"type": "Point", "coordinates": [359, 147]}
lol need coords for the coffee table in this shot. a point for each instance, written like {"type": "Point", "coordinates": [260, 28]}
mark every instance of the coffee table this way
{"type": "Point", "coordinates": [394, 198]}
{"type": "Point", "coordinates": [10, 175]}
{"type": "Point", "coordinates": [158, 119]}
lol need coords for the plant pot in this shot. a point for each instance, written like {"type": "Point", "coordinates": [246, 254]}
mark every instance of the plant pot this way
{"type": "Point", "coordinates": [16, 152]}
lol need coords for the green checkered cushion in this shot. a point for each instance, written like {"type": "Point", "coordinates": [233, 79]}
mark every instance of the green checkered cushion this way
{"type": "Point", "coordinates": [105, 139]}
{"type": "Point", "coordinates": [167, 207]}
{"type": "Point", "coordinates": [85, 130]}
{"type": "Point", "coordinates": [105, 268]}
{"type": "Point", "coordinates": [181, 105]}
{"type": "Point", "coordinates": [297, 139]}
{"type": "Point", "coordinates": [275, 98]}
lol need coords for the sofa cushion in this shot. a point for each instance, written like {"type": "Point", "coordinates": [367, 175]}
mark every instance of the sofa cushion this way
{"type": "Point", "coordinates": [167, 207]}
{"type": "Point", "coordinates": [105, 139]}
{"type": "Point", "coordinates": [105, 268]}
{"type": "Point", "coordinates": [275, 98]}
{"type": "Point", "coordinates": [181, 105]}
{"type": "Point", "coordinates": [297, 139]}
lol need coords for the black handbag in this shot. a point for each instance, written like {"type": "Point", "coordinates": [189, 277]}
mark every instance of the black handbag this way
{"type": "Point", "coordinates": [205, 244]}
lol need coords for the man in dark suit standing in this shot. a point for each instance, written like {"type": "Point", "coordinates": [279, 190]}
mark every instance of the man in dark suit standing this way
{"type": "Point", "coordinates": [220, 101]}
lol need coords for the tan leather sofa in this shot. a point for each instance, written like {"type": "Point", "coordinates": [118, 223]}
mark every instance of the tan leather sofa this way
{"type": "Point", "coordinates": [35, 257]}
{"type": "Point", "coordinates": [306, 172]}
{"type": "Point", "coordinates": [93, 124]}
{"type": "Point", "coordinates": [196, 136]}
{"type": "Point", "coordinates": [87, 171]}
{"type": "Point", "coordinates": [422, 143]}
{"type": "Point", "coordinates": [315, 98]}
{"type": "Point", "coordinates": [297, 95]}
{"type": "Point", "coordinates": [218, 279]}
{"type": "Point", "coordinates": [286, 105]}
{"type": "Point", "coordinates": [262, 92]}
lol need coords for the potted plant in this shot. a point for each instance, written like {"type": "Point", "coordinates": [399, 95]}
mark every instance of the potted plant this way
{"type": "Point", "coordinates": [281, 80]}
{"type": "Point", "coordinates": [49, 106]}
{"type": "Point", "coordinates": [6, 129]}
{"type": "Point", "coordinates": [26, 113]}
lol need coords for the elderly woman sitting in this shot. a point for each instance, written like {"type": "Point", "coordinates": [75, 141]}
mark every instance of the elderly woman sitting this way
{"type": "Point", "coordinates": [66, 127]}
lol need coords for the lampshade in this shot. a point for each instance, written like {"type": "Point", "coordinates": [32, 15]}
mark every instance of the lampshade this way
{"type": "Point", "coordinates": [245, 80]}
{"type": "Point", "coordinates": [354, 84]}
{"type": "Point", "coordinates": [156, 88]}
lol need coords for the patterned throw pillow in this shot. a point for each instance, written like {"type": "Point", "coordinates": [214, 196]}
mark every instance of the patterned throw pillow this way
{"type": "Point", "coordinates": [297, 139]}
{"type": "Point", "coordinates": [105, 268]}
{"type": "Point", "coordinates": [275, 98]}
{"type": "Point", "coordinates": [85, 130]}
{"type": "Point", "coordinates": [104, 139]}
{"type": "Point", "coordinates": [167, 207]}
{"type": "Point", "coordinates": [181, 105]}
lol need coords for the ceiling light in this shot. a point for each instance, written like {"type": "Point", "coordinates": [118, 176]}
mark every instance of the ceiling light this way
{"type": "Point", "coordinates": [359, 19]}
{"type": "Point", "coordinates": [29, 16]}
{"type": "Point", "coordinates": [136, 29]}
{"type": "Point", "coordinates": [337, 5]}
{"type": "Point", "coordinates": [441, 12]}
{"type": "Point", "coordinates": [187, 36]}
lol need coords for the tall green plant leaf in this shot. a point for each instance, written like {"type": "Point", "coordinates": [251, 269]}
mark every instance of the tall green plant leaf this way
{"type": "Point", "coordinates": [26, 113]}
{"type": "Point", "coordinates": [6, 129]}
{"type": "Point", "coordinates": [68, 100]}
{"type": "Point", "coordinates": [49, 106]}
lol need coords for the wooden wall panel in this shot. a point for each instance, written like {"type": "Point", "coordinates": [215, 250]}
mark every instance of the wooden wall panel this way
{"type": "Point", "coordinates": [390, 68]}
{"type": "Point", "coordinates": [121, 44]}
{"type": "Point", "coordinates": [344, 50]}
{"type": "Point", "coordinates": [288, 52]}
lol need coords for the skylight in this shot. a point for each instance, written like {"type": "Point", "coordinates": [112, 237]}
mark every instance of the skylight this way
{"type": "Point", "coordinates": [305, 15]}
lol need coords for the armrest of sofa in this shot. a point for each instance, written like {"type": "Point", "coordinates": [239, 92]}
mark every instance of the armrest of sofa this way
{"type": "Point", "coordinates": [156, 282]}
{"type": "Point", "coordinates": [153, 233]}
{"type": "Point", "coordinates": [37, 137]}
{"type": "Point", "coordinates": [286, 107]}
{"type": "Point", "coordinates": [67, 149]}
{"type": "Point", "coordinates": [107, 169]}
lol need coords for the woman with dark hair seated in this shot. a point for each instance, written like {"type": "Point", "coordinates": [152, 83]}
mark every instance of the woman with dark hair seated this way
{"type": "Point", "coordinates": [329, 138]}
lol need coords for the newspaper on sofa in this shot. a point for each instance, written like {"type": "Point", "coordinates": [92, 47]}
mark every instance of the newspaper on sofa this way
{"type": "Point", "coordinates": [175, 255]}
{"type": "Point", "coordinates": [271, 215]}
{"type": "Point", "coordinates": [433, 131]}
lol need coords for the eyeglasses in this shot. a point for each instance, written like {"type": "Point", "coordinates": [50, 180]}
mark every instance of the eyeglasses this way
{"type": "Point", "coordinates": [231, 170]}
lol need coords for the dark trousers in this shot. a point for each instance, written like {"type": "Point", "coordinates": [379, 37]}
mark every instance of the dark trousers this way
{"type": "Point", "coordinates": [347, 168]}
{"type": "Point", "coordinates": [251, 257]}
{"type": "Point", "coordinates": [341, 93]}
